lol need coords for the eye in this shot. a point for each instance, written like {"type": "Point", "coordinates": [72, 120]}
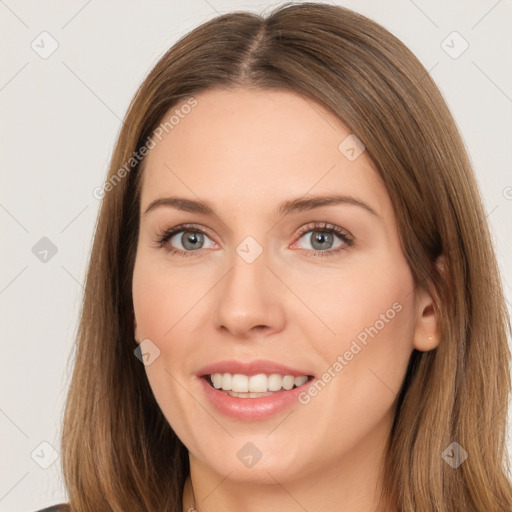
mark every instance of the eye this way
{"type": "Point", "coordinates": [185, 240]}
{"type": "Point", "coordinates": [189, 237]}
{"type": "Point", "coordinates": [321, 238]}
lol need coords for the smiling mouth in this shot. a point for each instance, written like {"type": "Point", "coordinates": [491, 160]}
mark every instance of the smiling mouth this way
{"type": "Point", "coordinates": [254, 386]}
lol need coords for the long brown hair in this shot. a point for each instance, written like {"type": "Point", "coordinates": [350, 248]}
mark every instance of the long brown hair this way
{"type": "Point", "coordinates": [119, 452]}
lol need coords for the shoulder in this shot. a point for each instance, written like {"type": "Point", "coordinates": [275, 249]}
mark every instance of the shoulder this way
{"type": "Point", "coordinates": [62, 507]}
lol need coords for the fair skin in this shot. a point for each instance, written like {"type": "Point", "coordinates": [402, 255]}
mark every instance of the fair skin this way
{"type": "Point", "coordinates": [244, 152]}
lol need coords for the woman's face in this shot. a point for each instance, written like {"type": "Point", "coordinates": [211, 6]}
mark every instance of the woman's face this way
{"type": "Point", "coordinates": [259, 286]}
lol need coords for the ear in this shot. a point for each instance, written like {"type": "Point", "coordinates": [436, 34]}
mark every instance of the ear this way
{"type": "Point", "coordinates": [427, 330]}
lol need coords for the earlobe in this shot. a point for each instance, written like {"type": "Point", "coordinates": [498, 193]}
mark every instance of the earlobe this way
{"type": "Point", "coordinates": [426, 331]}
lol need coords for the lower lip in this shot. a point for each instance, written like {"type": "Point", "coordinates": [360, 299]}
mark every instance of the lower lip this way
{"type": "Point", "coordinates": [251, 409]}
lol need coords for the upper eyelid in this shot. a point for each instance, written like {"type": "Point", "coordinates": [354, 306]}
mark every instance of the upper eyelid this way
{"type": "Point", "coordinates": [311, 226]}
{"type": "Point", "coordinates": [324, 226]}
{"type": "Point", "coordinates": [186, 227]}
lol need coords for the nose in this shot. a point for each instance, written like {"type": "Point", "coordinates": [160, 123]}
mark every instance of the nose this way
{"type": "Point", "coordinates": [250, 298]}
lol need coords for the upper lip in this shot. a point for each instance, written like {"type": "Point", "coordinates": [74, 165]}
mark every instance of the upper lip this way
{"type": "Point", "coordinates": [252, 367]}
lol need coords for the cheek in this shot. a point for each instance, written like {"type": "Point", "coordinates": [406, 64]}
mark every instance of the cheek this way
{"type": "Point", "coordinates": [374, 306]}
{"type": "Point", "coordinates": [371, 312]}
{"type": "Point", "coordinates": [161, 298]}
{"type": "Point", "coordinates": [366, 299]}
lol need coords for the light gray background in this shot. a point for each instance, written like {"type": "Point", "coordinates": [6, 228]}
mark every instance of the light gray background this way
{"type": "Point", "coordinates": [60, 118]}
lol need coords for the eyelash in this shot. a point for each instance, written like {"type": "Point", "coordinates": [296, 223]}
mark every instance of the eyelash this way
{"type": "Point", "coordinates": [346, 238]}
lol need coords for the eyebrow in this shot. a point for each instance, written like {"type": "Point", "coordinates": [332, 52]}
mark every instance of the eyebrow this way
{"type": "Point", "coordinates": [288, 207]}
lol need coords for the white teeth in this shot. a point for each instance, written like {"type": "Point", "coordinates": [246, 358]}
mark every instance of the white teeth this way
{"type": "Point", "coordinates": [288, 382]}
{"type": "Point", "coordinates": [226, 381]}
{"type": "Point", "coordinates": [300, 380]}
{"type": "Point", "coordinates": [260, 383]}
{"type": "Point", "coordinates": [247, 395]}
{"type": "Point", "coordinates": [274, 382]}
{"type": "Point", "coordinates": [240, 383]}
{"type": "Point", "coordinates": [217, 380]}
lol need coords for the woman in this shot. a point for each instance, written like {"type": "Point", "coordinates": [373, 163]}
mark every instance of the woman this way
{"type": "Point", "coordinates": [221, 363]}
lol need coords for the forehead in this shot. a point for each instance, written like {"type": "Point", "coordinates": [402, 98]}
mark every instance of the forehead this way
{"type": "Point", "coordinates": [243, 122]}
{"type": "Point", "coordinates": [238, 145]}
